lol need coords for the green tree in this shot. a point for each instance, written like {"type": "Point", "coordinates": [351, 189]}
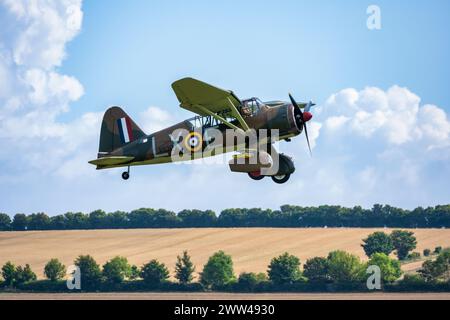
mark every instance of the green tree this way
{"type": "Point", "coordinates": [414, 256]}
{"type": "Point", "coordinates": [89, 270]}
{"type": "Point", "coordinates": [24, 275]}
{"type": "Point", "coordinates": [284, 269]}
{"type": "Point", "coordinates": [150, 218]}
{"type": "Point", "coordinates": [20, 222]}
{"type": "Point", "coordinates": [248, 281]}
{"type": "Point", "coordinates": [184, 268]}
{"type": "Point", "coordinates": [154, 273]}
{"type": "Point", "coordinates": [344, 267]}
{"type": "Point", "coordinates": [429, 271]}
{"type": "Point", "coordinates": [38, 221]}
{"type": "Point", "coordinates": [135, 272]}
{"type": "Point", "coordinates": [438, 250]}
{"type": "Point", "coordinates": [97, 219]}
{"type": "Point", "coordinates": [76, 221]}
{"type": "Point", "coordinates": [58, 223]}
{"type": "Point", "coordinates": [116, 270]}
{"type": "Point", "coordinates": [316, 269]}
{"type": "Point", "coordinates": [404, 242]}
{"type": "Point", "coordinates": [54, 270]}
{"type": "Point", "coordinates": [378, 242]}
{"type": "Point", "coordinates": [5, 222]}
{"type": "Point", "coordinates": [232, 218]}
{"type": "Point", "coordinates": [117, 220]}
{"type": "Point", "coordinates": [438, 270]}
{"type": "Point", "coordinates": [443, 261]}
{"type": "Point", "coordinates": [9, 273]}
{"type": "Point", "coordinates": [390, 268]}
{"type": "Point", "coordinates": [197, 218]}
{"type": "Point", "coordinates": [218, 271]}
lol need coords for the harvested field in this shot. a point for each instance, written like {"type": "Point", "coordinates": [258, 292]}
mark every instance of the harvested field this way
{"type": "Point", "coordinates": [251, 249]}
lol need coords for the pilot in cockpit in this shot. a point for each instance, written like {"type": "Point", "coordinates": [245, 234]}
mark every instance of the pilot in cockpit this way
{"type": "Point", "coordinates": [250, 107]}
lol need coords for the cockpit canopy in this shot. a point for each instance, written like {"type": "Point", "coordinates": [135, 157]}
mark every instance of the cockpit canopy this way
{"type": "Point", "coordinates": [251, 106]}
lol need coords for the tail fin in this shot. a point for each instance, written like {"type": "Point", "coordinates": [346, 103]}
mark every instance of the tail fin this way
{"type": "Point", "coordinates": [118, 129]}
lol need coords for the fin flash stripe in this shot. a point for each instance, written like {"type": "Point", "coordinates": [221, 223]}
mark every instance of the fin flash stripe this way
{"type": "Point", "coordinates": [125, 130]}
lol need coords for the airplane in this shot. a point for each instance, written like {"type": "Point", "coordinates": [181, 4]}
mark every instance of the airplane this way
{"type": "Point", "coordinates": [124, 144]}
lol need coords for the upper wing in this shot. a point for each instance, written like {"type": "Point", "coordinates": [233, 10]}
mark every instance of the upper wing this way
{"type": "Point", "coordinates": [205, 99]}
{"type": "Point", "coordinates": [193, 93]}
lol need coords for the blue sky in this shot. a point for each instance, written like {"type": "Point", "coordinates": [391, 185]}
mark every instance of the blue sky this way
{"type": "Point", "coordinates": [262, 48]}
{"type": "Point", "coordinates": [129, 53]}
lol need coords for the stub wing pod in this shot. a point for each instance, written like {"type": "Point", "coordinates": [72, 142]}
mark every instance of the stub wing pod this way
{"type": "Point", "coordinates": [111, 161]}
{"type": "Point", "coordinates": [250, 161]}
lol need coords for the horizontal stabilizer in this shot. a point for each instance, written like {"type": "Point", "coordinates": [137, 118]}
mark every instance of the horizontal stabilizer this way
{"type": "Point", "coordinates": [110, 161]}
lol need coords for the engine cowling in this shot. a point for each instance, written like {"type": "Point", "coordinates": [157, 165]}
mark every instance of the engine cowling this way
{"type": "Point", "coordinates": [284, 119]}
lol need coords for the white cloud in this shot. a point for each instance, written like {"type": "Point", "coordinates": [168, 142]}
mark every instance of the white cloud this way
{"type": "Point", "coordinates": [396, 114]}
{"type": "Point", "coordinates": [313, 132]}
{"type": "Point", "coordinates": [34, 94]}
{"type": "Point", "coordinates": [379, 146]}
{"type": "Point", "coordinates": [335, 123]}
{"type": "Point", "coordinates": [433, 124]}
{"type": "Point", "coordinates": [155, 119]}
{"type": "Point", "coordinates": [41, 30]}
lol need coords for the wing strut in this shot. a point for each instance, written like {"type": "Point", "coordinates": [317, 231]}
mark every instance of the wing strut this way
{"type": "Point", "coordinates": [238, 116]}
{"type": "Point", "coordinates": [219, 118]}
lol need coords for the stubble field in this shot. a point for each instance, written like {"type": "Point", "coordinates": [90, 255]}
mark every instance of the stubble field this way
{"type": "Point", "coordinates": [251, 249]}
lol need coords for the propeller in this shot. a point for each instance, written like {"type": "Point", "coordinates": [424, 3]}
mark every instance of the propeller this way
{"type": "Point", "coordinates": [304, 117]}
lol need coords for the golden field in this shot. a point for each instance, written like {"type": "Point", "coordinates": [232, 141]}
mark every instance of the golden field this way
{"type": "Point", "coordinates": [251, 249]}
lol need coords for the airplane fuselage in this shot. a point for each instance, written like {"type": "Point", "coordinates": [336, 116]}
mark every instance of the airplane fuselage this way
{"type": "Point", "coordinates": [157, 148]}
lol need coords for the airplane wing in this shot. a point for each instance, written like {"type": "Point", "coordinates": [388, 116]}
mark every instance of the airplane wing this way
{"type": "Point", "coordinates": [205, 99]}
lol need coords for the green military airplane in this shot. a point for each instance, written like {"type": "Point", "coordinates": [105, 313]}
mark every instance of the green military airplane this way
{"type": "Point", "coordinates": [124, 144]}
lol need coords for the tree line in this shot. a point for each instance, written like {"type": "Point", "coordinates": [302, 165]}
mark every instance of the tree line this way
{"type": "Point", "coordinates": [287, 216]}
{"type": "Point", "coordinates": [338, 271]}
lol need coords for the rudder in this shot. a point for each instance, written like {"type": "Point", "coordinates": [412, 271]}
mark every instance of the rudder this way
{"type": "Point", "coordinates": [118, 129]}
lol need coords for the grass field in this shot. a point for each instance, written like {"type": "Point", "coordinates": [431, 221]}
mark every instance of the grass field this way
{"type": "Point", "coordinates": [251, 249]}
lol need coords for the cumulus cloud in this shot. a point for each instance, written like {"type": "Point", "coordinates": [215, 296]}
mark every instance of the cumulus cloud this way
{"type": "Point", "coordinates": [39, 30]}
{"type": "Point", "coordinates": [155, 119]}
{"type": "Point", "coordinates": [379, 146]}
{"type": "Point", "coordinates": [33, 93]}
{"type": "Point", "coordinates": [395, 114]}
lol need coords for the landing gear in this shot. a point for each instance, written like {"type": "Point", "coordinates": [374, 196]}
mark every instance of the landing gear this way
{"type": "Point", "coordinates": [285, 170]}
{"type": "Point", "coordinates": [126, 174]}
{"type": "Point", "coordinates": [280, 179]}
{"type": "Point", "coordinates": [256, 175]}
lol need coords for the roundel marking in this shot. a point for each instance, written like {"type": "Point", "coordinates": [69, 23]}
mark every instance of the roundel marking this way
{"type": "Point", "coordinates": [193, 142]}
